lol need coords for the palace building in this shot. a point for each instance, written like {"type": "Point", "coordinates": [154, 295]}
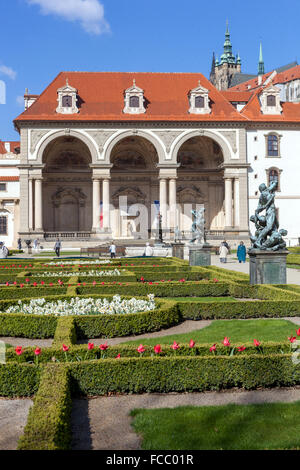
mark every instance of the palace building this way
{"type": "Point", "coordinates": [101, 154]}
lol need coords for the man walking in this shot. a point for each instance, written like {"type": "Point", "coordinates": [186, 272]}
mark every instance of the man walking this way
{"type": "Point", "coordinates": [57, 247]}
{"type": "Point", "coordinates": [112, 250]}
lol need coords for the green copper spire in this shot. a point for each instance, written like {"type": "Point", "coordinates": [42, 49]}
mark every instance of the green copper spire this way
{"type": "Point", "coordinates": [227, 56]}
{"type": "Point", "coordinates": [261, 64]}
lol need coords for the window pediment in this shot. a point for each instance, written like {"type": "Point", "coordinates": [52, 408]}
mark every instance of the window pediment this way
{"type": "Point", "coordinates": [199, 100]}
{"type": "Point", "coordinates": [270, 100]}
{"type": "Point", "coordinates": [67, 100]}
{"type": "Point", "coordinates": [134, 100]}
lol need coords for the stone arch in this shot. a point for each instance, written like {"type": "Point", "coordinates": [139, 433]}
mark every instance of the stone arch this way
{"type": "Point", "coordinates": [202, 133]}
{"type": "Point", "coordinates": [132, 133]}
{"type": "Point", "coordinates": [62, 133]}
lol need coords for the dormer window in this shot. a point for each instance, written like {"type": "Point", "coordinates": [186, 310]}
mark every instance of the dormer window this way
{"type": "Point", "coordinates": [199, 101]}
{"type": "Point", "coordinates": [134, 100]}
{"type": "Point", "coordinates": [67, 100]}
{"type": "Point", "coordinates": [270, 100]}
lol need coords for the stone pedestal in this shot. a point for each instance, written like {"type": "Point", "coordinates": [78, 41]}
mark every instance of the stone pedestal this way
{"type": "Point", "coordinates": [178, 250]}
{"type": "Point", "coordinates": [267, 267]}
{"type": "Point", "coordinates": [199, 255]}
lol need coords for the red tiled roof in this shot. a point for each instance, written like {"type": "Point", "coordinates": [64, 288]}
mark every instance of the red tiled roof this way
{"type": "Point", "coordinates": [9, 178]}
{"type": "Point", "coordinates": [13, 146]}
{"type": "Point", "coordinates": [102, 97]}
{"type": "Point", "coordinates": [236, 96]}
{"type": "Point", "coordinates": [281, 77]}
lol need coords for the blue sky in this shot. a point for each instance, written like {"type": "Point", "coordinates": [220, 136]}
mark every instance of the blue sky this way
{"type": "Point", "coordinates": [42, 37]}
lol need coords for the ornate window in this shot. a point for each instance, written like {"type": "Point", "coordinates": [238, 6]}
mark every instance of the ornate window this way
{"type": "Point", "coordinates": [134, 100]}
{"type": "Point", "coordinates": [273, 174]}
{"type": "Point", "coordinates": [67, 100]}
{"type": "Point", "coordinates": [270, 100]}
{"type": "Point", "coordinates": [199, 100]}
{"type": "Point", "coordinates": [272, 144]}
{"type": "Point", "coordinates": [3, 225]}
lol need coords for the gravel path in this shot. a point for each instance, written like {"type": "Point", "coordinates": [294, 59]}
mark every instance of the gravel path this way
{"type": "Point", "coordinates": [25, 342]}
{"type": "Point", "coordinates": [13, 417]}
{"type": "Point", "coordinates": [104, 423]}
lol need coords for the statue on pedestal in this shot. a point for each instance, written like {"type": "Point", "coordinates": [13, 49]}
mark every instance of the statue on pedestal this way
{"type": "Point", "coordinates": [267, 236]}
{"type": "Point", "coordinates": [198, 226]}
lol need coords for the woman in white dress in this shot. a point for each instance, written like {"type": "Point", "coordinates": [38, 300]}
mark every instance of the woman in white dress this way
{"type": "Point", "coordinates": [223, 252]}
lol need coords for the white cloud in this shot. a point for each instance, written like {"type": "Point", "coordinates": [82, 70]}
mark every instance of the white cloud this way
{"type": "Point", "coordinates": [8, 71]}
{"type": "Point", "coordinates": [90, 13]}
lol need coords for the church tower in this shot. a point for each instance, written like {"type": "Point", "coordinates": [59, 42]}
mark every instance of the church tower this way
{"type": "Point", "coordinates": [223, 70]}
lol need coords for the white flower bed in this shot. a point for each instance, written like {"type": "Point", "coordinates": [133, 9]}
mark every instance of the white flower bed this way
{"type": "Point", "coordinates": [82, 262]}
{"type": "Point", "coordinates": [112, 272]}
{"type": "Point", "coordinates": [84, 306]}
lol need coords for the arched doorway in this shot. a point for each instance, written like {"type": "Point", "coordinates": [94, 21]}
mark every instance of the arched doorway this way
{"type": "Point", "coordinates": [67, 186]}
{"type": "Point", "coordinates": [134, 188]}
{"type": "Point", "coordinates": [200, 183]}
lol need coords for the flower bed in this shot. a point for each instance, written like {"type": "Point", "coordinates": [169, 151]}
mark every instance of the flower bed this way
{"type": "Point", "coordinates": [83, 306]}
{"type": "Point", "coordinates": [114, 272]}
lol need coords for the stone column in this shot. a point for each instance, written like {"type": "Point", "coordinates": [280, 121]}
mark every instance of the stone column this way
{"type": "Point", "coordinates": [243, 201]}
{"type": "Point", "coordinates": [228, 202]}
{"type": "Point", "coordinates": [172, 202]}
{"type": "Point", "coordinates": [163, 201]}
{"type": "Point", "coordinates": [30, 204]}
{"type": "Point", "coordinates": [236, 202]}
{"type": "Point", "coordinates": [38, 205]}
{"type": "Point", "coordinates": [96, 205]}
{"type": "Point", "coordinates": [106, 205]}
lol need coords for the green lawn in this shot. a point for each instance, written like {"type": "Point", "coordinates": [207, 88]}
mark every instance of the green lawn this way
{"type": "Point", "coordinates": [238, 331]}
{"type": "Point", "coordinates": [230, 427]}
{"type": "Point", "coordinates": [202, 299]}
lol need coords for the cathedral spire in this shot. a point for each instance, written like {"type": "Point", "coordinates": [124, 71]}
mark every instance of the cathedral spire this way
{"type": "Point", "coordinates": [261, 64]}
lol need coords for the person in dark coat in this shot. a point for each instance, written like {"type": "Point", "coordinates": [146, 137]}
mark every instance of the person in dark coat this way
{"type": "Point", "coordinates": [241, 253]}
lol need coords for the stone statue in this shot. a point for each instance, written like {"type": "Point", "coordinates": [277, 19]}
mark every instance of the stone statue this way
{"type": "Point", "coordinates": [267, 236]}
{"type": "Point", "coordinates": [198, 226]}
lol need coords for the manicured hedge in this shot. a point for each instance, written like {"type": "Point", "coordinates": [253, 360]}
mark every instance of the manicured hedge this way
{"type": "Point", "coordinates": [49, 422]}
{"type": "Point", "coordinates": [65, 332]}
{"type": "Point", "coordinates": [161, 289]}
{"type": "Point", "coordinates": [29, 326]}
{"type": "Point", "coordinates": [96, 326]}
{"type": "Point", "coordinates": [19, 380]}
{"type": "Point", "coordinates": [182, 374]}
{"type": "Point", "coordinates": [33, 292]}
{"type": "Point", "coordinates": [246, 309]}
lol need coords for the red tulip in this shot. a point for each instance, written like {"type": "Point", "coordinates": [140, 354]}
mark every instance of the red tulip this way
{"type": "Point", "coordinates": [213, 348]}
{"type": "Point", "coordinates": [216, 280]}
{"type": "Point", "coordinates": [7, 284]}
{"type": "Point", "coordinates": [142, 279]}
{"type": "Point", "coordinates": [35, 284]}
{"type": "Point", "coordinates": [226, 341]}
{"type": "Point", "coordinates": [256, 342]}
{"type": "Point", "coordinates": [175, 346]}
{"type": "Point", "coordinates": [298, 332]}
{"type": "Point", "coordinates": [192, 343]}
{"type": "Point", "coordinates": [241, 348]}
{"type": "Point", "coordinates": [157, 349]}
{"type": "Point", "coordinates": [94, 283]}
{"type": "Point", "coordinates": [15, 283]}
{"type": "Point", "coordinates": [19, 350]}
{"type": "Point", "coordinates": [51, 284]}
{"type": "Point", "coordinates": [292, 339]}
{"type": "Point", "coordinates": [42, 283]}
{"type": "Point", "coordinates": [38, 351]}
{"type": "Point", "coordinates": [90, 346]}
{"type": "Point", "coordinates": [21, 285]}
{"type": "Point", "coordinates": [104, 346]}
{"type": "Point", "coordinates": [27, 280]}
{"type": "Point", "coordinates": [141, 349]}
{"type": "Point", "coordinates": [118, 356]}
{"type": "Point", "coordinates": [65, 348]}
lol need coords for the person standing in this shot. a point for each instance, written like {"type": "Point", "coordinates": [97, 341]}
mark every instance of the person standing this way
{"type": "Point", "coordinates": [57, 247]}
{"type": "Point", "coordinates": [19, 244]}
{"type": "Point", "coordinates": [223, 252]}
{"type": "Point", "coordinates": [241, 252]}
{"type": "Point", "coordinates": [112, 250]}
